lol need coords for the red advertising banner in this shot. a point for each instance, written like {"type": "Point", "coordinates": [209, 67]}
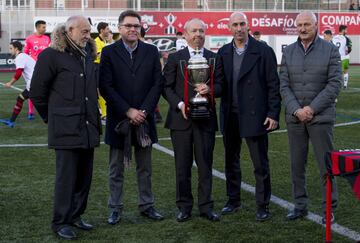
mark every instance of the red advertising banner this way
{"type": "Point", "coordinates": [268, 23]}
{"type": "Point", "coordinates": [332, 21]}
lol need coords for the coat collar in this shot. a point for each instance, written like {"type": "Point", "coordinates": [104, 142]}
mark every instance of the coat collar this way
{"type": "Point", "coordinates": [141, 52]}
{"type": "Point", "coordinates": [252, 54]}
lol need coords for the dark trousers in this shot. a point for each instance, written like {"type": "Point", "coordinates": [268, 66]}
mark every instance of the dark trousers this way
{"type": "Point", "coordinates": [186, 143]}
{"type": "Point", "coordinates": [258, 148]}
{"type": "Point", "coordinates": [143, 174]}
{"type": "Point", "coordinates": [321, 137]}
{"type": "Point", "coordinates": [72, 184]}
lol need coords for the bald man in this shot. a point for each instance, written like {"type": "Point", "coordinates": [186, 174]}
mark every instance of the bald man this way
{"type": "Point", "coordinates": [190, 137]}
{"type": "Point", "coordinates": [64, 92]}
{"type": "Point", "coordinates": [247, 80]}
{"type": "Point", "coordinates": [310, 81]}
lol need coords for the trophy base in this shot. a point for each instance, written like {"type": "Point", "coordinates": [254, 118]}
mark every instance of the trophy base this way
{"type": "Point", "coordinates": [199, 110]}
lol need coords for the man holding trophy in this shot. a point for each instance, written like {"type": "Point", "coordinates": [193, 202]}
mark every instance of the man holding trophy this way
{"type": "Point", "coordinates": [192, 119]}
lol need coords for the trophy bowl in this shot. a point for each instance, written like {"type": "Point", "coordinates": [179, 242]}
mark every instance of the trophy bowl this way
{"type": "Point", "coordinates": [199, 72]}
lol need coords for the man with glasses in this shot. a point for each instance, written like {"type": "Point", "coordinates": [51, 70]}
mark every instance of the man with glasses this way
{"type": "Point", "coordinates": [131, 83]}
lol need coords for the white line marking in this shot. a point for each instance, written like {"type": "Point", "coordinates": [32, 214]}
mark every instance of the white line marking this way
{"type": "Point", "coordinates": [283, 130]}
{"type": "Point", "coordinates": [344, 231]}
{"type": "Point", "coordinates": [13, 87]}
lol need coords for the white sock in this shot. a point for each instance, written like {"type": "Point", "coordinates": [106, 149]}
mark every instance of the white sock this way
{"type": "Point", "coordinates": [346, 79]}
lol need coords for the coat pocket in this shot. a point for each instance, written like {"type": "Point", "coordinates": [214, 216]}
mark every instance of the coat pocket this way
{"type": "Point", "coordinates": [66, 121]}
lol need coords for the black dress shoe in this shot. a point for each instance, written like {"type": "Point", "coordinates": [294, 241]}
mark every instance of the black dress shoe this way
{"type": "Point", "coordinates": [263, 214]}
{"type": "Point", "coordinates": [183, 216]}
{"type": "Point", "coordinates": [151, 213]}
{"type": "Point", "coordinates": [114, 218]}
{"type": "Point", "coordinates": [230, 208]}
{"type": "Point", "coordinates": [297, 214]}
{"type": "Point", "coordinates": [210, 215]}
{"type": "Point", "coordinates": [82, 225]}
{"type": "Point", "coordinates": [66, 233]}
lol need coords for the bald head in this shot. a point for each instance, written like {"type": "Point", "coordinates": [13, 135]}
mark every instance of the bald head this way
{"type": "Point", "coordinates": [236, 15]}
{"type": "Point", "coordinates": [239, 27]}
{"type": "Point", "coordinates": [78, 28]}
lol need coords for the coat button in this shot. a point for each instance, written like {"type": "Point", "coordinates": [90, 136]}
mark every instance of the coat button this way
{"type": "Point", "coordinates": [87, 122]}
{"type": "Point", "coordinates": [81, 74]}
{"type": "Point", "coordinates": [86, 98]}
{"type": "Point", "coordinates": [249, 81]}
{"type": "Point", "coordinates": [252, 112]}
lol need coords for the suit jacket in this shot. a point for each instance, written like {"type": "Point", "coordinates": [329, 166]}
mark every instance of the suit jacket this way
{"type": "Point", "coordinates": [126, 83]}
{"type": "Point", "coordinates": [258, 87]}
{"type": "Point", "coordinates": [174, 92]}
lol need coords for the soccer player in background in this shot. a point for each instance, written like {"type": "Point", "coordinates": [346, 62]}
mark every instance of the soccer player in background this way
{"type": "Point", "coordinates": [101, 42]}
{"type": "Point", "coordinates": [344, 44]}
{"type": "Point", "coordinates": [328, 35]}
{"type": "Point", "coordinates": [34, 45]}
{"type": "Point", "coordinates": [25, 67]}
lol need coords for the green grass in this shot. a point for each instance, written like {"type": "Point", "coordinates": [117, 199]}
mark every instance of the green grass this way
{"type": "Point", "coordinates": [27, 182]}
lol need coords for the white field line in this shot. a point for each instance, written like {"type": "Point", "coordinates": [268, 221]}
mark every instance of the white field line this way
{"type": "Point", "coordinates": [344, 231]}
{"type": "Point", "coordinates": [283, 130]}
{"type": "Point", "coordinates": [13, 87]}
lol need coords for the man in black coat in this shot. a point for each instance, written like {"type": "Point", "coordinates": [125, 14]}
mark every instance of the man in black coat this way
{"type": "Point", "coordinates": [247, 80]}
{"type": "Point", "coordinates": [131, 83]}
{"type": "Point", "coordinates": [190, 136]}
{"type": "Point", "coordinates": [63, 90]}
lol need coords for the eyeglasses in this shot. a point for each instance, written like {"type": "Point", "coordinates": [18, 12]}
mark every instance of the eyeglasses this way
{"type": "Point", "coordinates": [129, 26]}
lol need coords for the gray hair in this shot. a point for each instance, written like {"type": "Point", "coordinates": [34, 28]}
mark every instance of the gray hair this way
{"type": "Point", "coordinates": [73, 21]}
{"type": "Point", "coordinates": [190, 21]}
{"type": "Point", "coordinates": [307, 13]}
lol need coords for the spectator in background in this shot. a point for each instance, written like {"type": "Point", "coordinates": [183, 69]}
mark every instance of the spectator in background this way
{"type": "Point", "coordinates": [328, 35]}
{"type": "Point", "coordinates": [110, 38]}
{"type": "Point", "coordinates": [25, 67]}
{"type": "Point", "coordinates": [352, 6]}
{"type": "Point", "coordinates": [34, 45]}
{"type": "Point", "coordinates": [257, 36]}
{"type": "Point", "coordinates": [180, 42]}
{"type": "Point", "coordinates": [101, 41]}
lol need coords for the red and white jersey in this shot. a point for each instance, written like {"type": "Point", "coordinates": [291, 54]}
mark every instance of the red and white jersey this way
{"type": "Point", "coordinates": [26, 63]}
{"type": "Point", "coordinates": [34, 44]}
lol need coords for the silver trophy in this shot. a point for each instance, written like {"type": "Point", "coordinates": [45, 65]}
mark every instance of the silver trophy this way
{"type": "Point", "coordinates": [198, 73]}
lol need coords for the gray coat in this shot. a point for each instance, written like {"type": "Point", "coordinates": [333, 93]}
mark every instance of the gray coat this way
{"type": "Point", "coordinates": [312, 78]}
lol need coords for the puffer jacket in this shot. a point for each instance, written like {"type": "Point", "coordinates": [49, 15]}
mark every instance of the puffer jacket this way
{"type": "Point", "coordinates": [64, 92]}
{"type": "Point", "coordinates": [312, 78]}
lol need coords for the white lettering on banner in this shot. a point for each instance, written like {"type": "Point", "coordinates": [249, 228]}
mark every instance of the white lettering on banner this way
{"type": "Point", "coordinates": [340, 20]}
{"type": "Point", "coordinates": [10, 61]}
{"type": "Point", "coordinates": [273, 22]}
{"type": "Point", "coordinates": [3, 62]}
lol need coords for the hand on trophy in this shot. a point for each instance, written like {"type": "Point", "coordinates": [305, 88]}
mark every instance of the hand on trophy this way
{"type": "Point", "coordinates": [202, 89]}
{"type": "Point", "coordinates": [183, 111]}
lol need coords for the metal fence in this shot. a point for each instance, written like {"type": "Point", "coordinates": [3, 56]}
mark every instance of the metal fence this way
{"type": "Point", "coordinates": [206, 5]}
